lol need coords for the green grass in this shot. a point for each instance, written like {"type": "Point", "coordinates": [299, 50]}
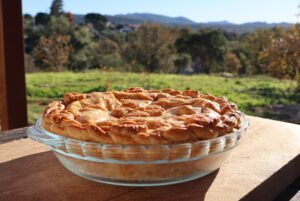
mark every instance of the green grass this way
{"type": "Point", "coordinates": [249, 92]}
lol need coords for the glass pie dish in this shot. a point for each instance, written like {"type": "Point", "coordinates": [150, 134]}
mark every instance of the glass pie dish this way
{"type": "Point", "coordinates": [140, 165]}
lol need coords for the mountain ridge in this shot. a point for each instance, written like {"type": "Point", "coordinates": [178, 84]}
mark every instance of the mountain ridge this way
{"type": "Point", "coordinates": [153, 18]}
{"type": "Point", "coordinates": [139, 18]}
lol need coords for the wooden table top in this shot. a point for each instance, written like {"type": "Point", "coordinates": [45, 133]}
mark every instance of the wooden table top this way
{"type": "Point", "coordinates": [261, 167]}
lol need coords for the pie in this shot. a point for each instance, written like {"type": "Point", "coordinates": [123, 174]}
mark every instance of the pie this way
{"type": "Point", "coordinates": [137, 116]}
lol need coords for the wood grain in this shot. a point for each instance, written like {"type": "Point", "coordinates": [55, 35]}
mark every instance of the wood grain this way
{"type": "Point", "coordinates": [13, 134]}
{"type": "Point", "coordinates": [260, 168]}
{"type": "Point", "coordinates": [13, 106]}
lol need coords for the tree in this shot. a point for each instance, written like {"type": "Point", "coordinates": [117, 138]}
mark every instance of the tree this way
{"type": "Point", "coordinates": [58, 24]}
{"type": "Point", "coordinates": [119, 37]}
{"type": "Point", "coordinates": [243, 54]}
{"type": "Point", "coordinates": [56, 8]}
{"type": "Point", "coordinates": [255, 43]}
{"type": "Point", "coordinates": [52, 53]}
{"type": "Point", "coordinates": [232, 63]}
{"type": "Point", "coordinates": [31, 38]}
{"type": "Point", "coordinates": [70, 17]}
{"type": "Point", "coordinates": [28, 16]}
{"type": "Point", "coordinates": [104, 53]}
{"type": "Point", "coordinates": [94, 17]}
{"type": "Point", "coordinates": [205, 47]}
{"type": "Point", "coordinates": [282, 57]}
{"type": "Point", "coordinates": [42, 19]}
{"type": "Point", "coordinates": [182, 62]}
{"type": "Point", "coordinates": [152, 46]}
{"type": "Point", "coordinates": [98, 21]}
{"type": "Point", "coordinates": [81, 40]}
{"type": "Point", "coordinates": [53, 50]}
{"type": "Point", "coordinates": [29, 63]}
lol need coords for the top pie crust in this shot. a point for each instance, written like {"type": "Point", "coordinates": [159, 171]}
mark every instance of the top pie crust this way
{"type": "Point", "coordinates": [141, 117]}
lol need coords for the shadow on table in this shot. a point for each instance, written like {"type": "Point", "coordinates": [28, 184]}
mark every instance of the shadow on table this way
{"type": "Point", "coordinates": [276, 184]}
{"type": "Point", "coordinates": [41, 177]}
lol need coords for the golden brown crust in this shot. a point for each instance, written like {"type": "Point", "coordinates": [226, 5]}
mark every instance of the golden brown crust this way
{"type": "Point", "coordinates": [141, 117]}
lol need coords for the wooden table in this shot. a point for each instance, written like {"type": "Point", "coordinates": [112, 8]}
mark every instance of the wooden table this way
{"type": "Point", "coordinates": [266, 163]}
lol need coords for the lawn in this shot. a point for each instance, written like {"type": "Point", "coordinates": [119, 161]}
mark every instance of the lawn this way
{"type": "Point", "coordinates": [250, 93]}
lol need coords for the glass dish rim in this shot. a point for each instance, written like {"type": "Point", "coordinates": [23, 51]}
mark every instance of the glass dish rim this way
{"type": "Point", "coordinates": [57, 138]}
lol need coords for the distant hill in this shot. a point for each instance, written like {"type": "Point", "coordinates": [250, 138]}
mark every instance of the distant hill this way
{"type": "Point", "coordinates": [149, 17]}
{"type": "Point", "coordinates": [239, 28]}
{"type": "Point", "coordinates": [139, 18]}
{"type": "Point", "coordinates": [219, 22]}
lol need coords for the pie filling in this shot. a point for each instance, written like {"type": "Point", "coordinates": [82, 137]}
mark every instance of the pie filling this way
{"type": "Point", "coordinates": [141, 117]}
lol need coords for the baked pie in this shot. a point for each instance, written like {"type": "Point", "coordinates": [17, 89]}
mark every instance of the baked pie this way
{"type": "Point", "coordinates": [141, 137]}
{"type": "Point", "coordinates": [137, 116]}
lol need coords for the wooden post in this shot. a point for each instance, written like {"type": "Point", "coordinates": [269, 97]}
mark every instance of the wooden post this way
{"type": "Point", "coordinates": [13, 105]}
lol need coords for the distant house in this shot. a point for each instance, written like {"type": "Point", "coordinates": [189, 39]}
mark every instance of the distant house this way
{"type": "Point", "coordinates": [111, 25]}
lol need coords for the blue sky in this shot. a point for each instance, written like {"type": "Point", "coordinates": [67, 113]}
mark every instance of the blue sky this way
{"type": "Point", "coordinates": [236, 11]}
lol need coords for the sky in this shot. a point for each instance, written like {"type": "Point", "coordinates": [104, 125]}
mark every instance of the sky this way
{"type": "Point", "coordinates": [235, 11]}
